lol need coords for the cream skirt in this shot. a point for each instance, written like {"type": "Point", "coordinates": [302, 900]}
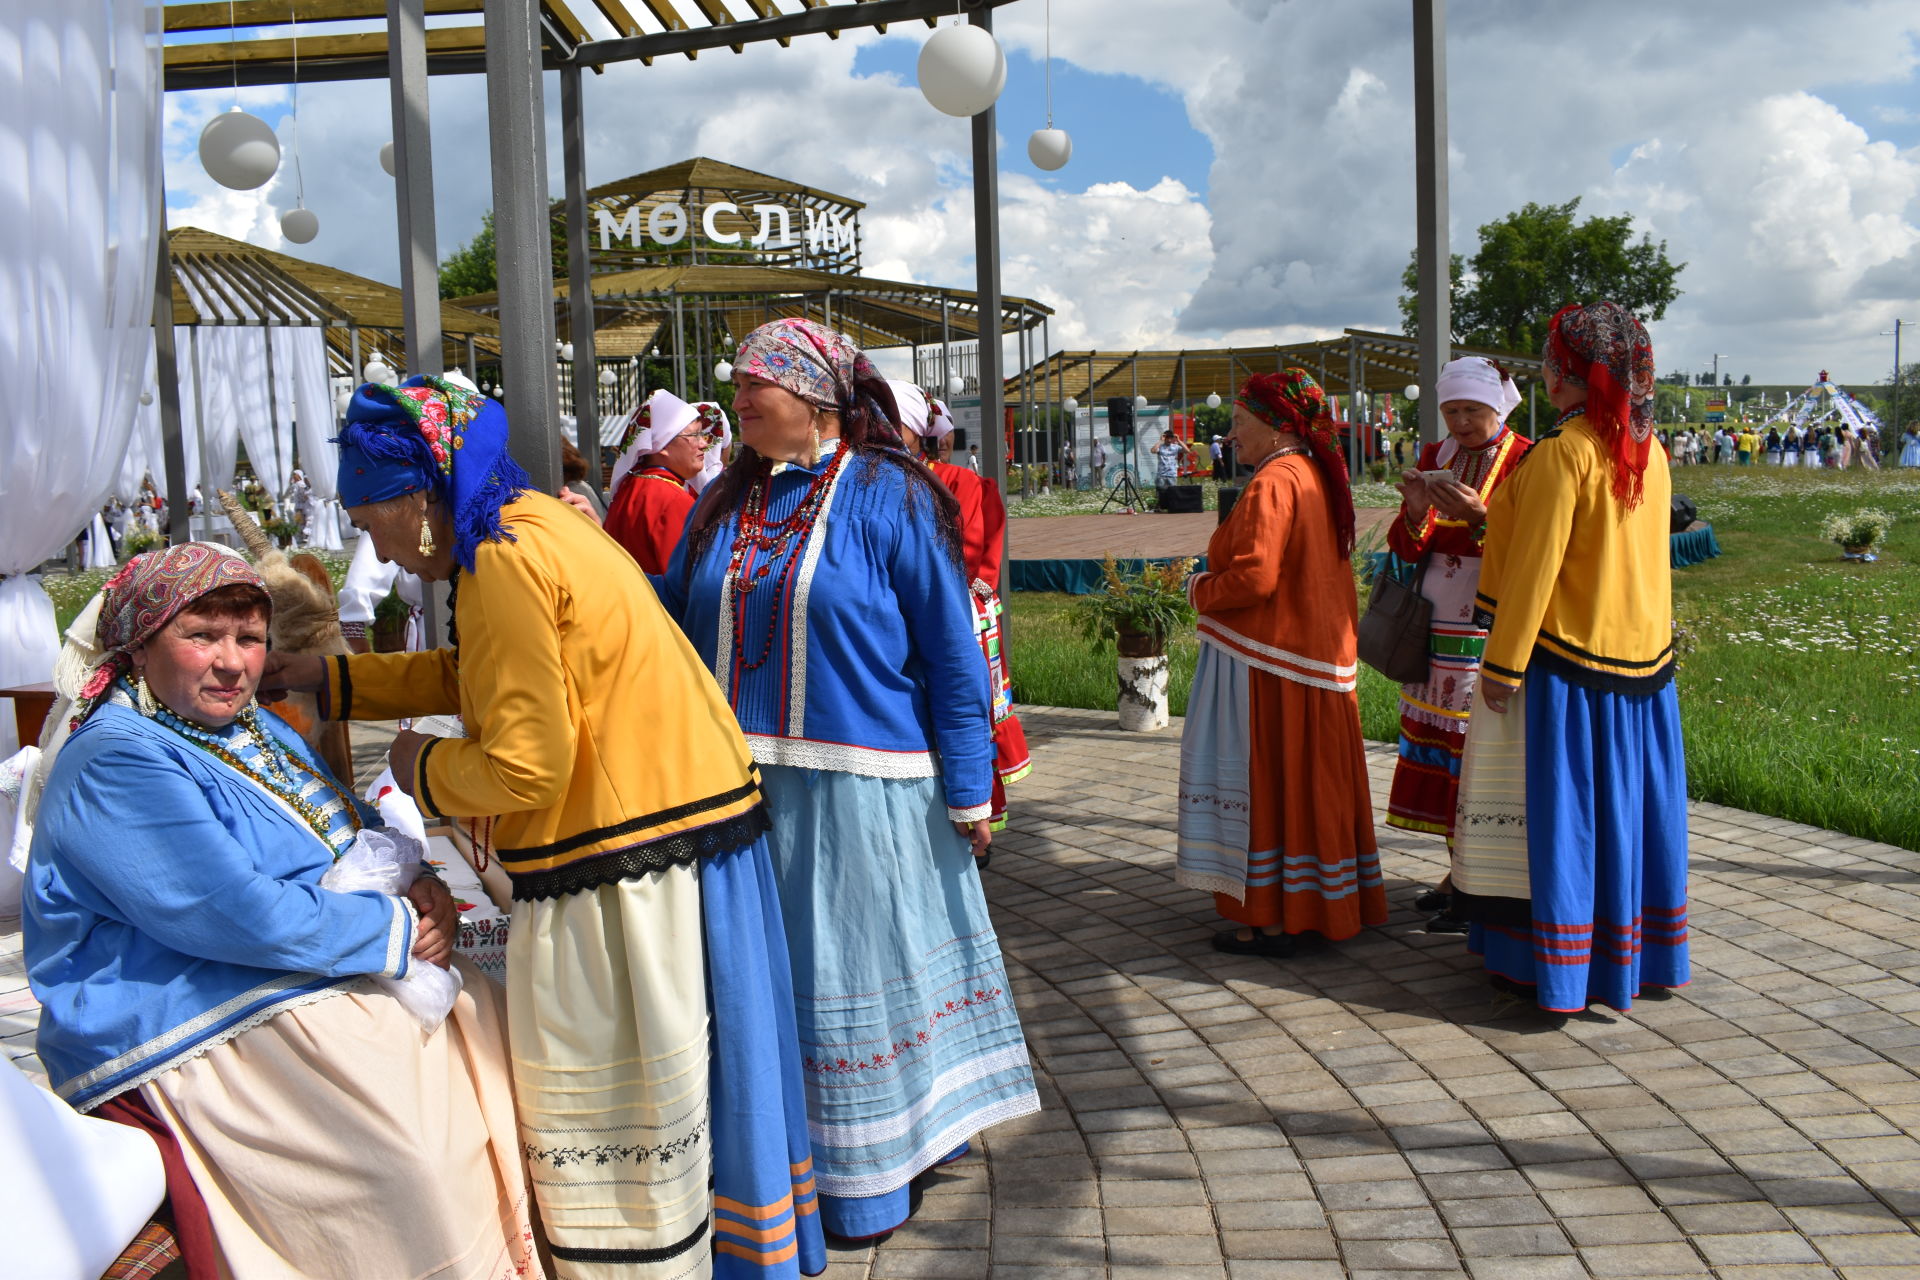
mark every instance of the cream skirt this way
{"type": "Point", "coordinates": [339, 1140]}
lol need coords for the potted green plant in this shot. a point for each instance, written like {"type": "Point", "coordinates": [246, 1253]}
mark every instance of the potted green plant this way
{"type": "Point", "coordinates": [1137, 612]}
{"type": "Point", "coordinates": [136, 541]}
{"type": "Point", "coordinates": [1857, 532]}
{"type": "Point", "coordinates": [281, 531]}
{"type": "Point", "coordinates": [388, 634]}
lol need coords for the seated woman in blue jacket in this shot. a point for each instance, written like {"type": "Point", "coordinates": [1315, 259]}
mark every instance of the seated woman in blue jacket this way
{"type": "Point", "coordinates": [820, 580]}
{"type": "Point", "coordinates": [196, 980]}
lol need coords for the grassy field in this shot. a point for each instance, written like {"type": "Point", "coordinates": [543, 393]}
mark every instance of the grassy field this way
{"type": "Point", "coordinates": [1797, 685]}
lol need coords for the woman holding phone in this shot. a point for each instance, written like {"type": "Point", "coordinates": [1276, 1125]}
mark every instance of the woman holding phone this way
{"type": "Point", "coordinates": [1439, 537]}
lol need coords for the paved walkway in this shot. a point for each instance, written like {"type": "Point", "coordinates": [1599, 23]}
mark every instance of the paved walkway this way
{"type": "Point", "coordinates": [1364, 1111]}
{"type": "Point", "coordinates": [1152, 536]}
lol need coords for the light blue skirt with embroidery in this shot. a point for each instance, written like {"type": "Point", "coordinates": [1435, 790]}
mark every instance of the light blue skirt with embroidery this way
{"type": "Point", "coordinates": [909, 1040]}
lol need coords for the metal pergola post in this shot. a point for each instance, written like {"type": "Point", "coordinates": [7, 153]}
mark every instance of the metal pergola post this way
{"type": "Point", "coordinates": [986, 257]}
{"type": "Point", "coordinates": [586, 385]}
{"type": "Point", "coordinates": [1354, 451]}
{"type": "Point", "coordinates": [1430, 199]}
{"type": "Point", "coordinates": [517, 134]}
{"type": "Point", "coordinates": [273, 412]}
{"type": "Point", "coordinates": [946, 350]}
{"type": "Point", "coordinates": [173, 451]}
{"type": "Point", "coordinates": [413, 183]}
{"type": "Point", "coordinates": [679, 347]}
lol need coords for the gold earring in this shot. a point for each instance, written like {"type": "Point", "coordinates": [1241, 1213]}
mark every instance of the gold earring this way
{"type": "Point", "coordinates": [815, 446]}
{"type": "Point", "coordinates": [143, 696]}
{"type": "Point", "coordinates": [426, 537]}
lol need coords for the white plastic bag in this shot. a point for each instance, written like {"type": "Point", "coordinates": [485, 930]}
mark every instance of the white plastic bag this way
{"type": "Point", "coordinates": [386, 861]}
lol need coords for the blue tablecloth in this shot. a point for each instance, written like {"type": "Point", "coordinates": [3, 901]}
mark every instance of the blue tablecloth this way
{"type": "Point", "coordinates": [1074, 577]}
{"type": "Point", "coordinates": [1694, 547]}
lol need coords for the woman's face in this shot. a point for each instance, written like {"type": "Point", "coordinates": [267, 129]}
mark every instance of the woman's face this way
{"type": "Point", "coordinates": [685, 454]}
{"type": "Point", "coordinates": [394, 526]}
{"type": "Point", "coordinates": [774, 422]}
{"type": "Point", "coordinates": [1252, 439]}
{"type": "Point", "coordinates": [205, 667]}
{"type": "Point", "coordinates": [1470, 422]}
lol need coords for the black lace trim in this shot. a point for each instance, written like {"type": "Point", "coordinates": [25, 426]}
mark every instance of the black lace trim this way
{"type": "Point", "coordinates": [346, 690]}
{"type": "Point", "coordinates": [427, 805]}
{"type": "Point", "coordinates": [678, 849]}
{"type": "Point", "coordinates": [1602, 681]}
{"type": "Point", "coordinates": [1575, 651]}
{"type": "Point", "coordinates": [603, 1153]}
{"type": "Point", "coordinates": [534, 852]}
{"type": "Point", "coordinates": [662, 1254]}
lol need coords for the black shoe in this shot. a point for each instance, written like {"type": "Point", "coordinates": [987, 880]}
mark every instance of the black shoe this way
{"type": "Point", "coordinates": [1433, 900]}
{"type": "Point", "coordinates": [1277, 945]}
{"type": "Point", "coordinates": [1446, 922]}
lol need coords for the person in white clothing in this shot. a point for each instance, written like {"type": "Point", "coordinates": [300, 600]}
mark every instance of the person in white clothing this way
{"type": "Point", "coordinates": [368, 581]}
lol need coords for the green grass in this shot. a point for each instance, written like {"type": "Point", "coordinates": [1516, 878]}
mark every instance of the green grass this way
{"type": "Point", "coordinates": [1799, 675]}
{"type": "Point", "coordinates": [1087, 502]}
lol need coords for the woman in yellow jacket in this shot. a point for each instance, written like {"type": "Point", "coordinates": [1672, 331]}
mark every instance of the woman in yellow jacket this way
{"type": "Point", "coordinates": [1571, 841]}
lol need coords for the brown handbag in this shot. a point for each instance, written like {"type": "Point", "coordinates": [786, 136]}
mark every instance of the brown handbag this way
{"type": "Point", "coordinates": [1395, 628]}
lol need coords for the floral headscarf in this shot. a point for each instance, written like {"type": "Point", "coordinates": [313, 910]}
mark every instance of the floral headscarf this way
{"type": "Point", "coordinates": [1605, 347]}
{"type": "Point", "coordinates": [146, 595]}
{"type": "Point", "coordinates": [1292, 401]}
{"type": "Point", "coordinates": [432, 435]}
{"type": "Point", "coordinates": [806, 358]}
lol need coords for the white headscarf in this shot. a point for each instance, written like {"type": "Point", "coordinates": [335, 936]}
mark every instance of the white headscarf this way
{"type": "Point", "coordinates": [716, 460]}
{"type": "Point", "coordinates": [667, 416]}
{"type": "Point", "coordinates": [1478, 379]}
{"type": "Point", "coordinates": [912, 403]}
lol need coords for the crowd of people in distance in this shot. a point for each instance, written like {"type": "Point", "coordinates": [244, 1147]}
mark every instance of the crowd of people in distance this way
{"type": "Point", "coordinates": [1831, 445]}
{"type": "Point", "coordinates": [741, 752]}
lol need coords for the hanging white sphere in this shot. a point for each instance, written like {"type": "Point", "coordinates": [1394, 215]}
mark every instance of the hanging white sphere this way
{"type": "Point", "coordinates": [239, 150]}
{"type": "Point", "coordinates": [1070, 405]}
{"type": "Point", "coordinates": [566, 352]}
{"type": "Point", "coordinates": [1213, 400]}
{"type": "Point", "coordinates": [962, 70]}
{"type": "Point", "coordinates": [386, 158]}
{"type": "Point", "coordinates": [608, 377]}
{"type": "Point", "coordinates": [1049, 148]}
{"type": "Point", "coordinates": [496, 393]}
{"type": "Point", "coordinates": [299, 225]}
{"type": "Point", "coordinates": [1413, 391]}
{"type": "Point", "coordinates": [146, 397]}
{"type": "Point", "coordinates": [1139, 402]}
{"type": "Point", "coordinates": [723, 372]}
{"type": "Point", "coordinates": [956, 384]}
{"type": "Point", "coordinates": [377, 370]}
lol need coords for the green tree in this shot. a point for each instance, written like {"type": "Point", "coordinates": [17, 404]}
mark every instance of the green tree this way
{"type": "Point", "coordinates": [470, 269]}
{"type": "Point", "coordinates": [1533, 262]}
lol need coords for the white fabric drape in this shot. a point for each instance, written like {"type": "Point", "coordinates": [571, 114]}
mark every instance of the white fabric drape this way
{"type": "Point", "coordinates": [80, 145]}
{"type": "Point", "coordinates": [241, 363]}
{"type": "Point", "coordinates": [300, 366]}
{"type": "Point", "coordinates": [146, 454]}
{"type": "Point", "coordinates": [216, 361]}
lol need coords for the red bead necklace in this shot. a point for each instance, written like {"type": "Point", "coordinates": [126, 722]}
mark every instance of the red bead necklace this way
{"type": "Point", "coordinates": [784, 545]}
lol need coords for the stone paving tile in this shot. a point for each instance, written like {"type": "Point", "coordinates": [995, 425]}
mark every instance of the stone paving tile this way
{"type": "Point", "coordinates": [1363, 1111]}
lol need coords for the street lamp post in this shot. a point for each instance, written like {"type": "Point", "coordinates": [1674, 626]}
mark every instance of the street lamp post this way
{"type": "Point", "coordinates": [1894, 426]}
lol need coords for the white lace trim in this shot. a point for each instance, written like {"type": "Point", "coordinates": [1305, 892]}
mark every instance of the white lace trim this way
{"type": "Point", "coordinates": [347, 986]}
{"type": "Point", "coordinates": [405, 921]}
{"type": "Point", "coordinates": [975, 814]}
{"type": "Point", "coordinates": [1273, 669]}
{"type": "Point", "coordinates": [930, 1151]}
{"type": "Point", "coordinates": [1280, 655]}
{"type": "Point", "coordinates": [839, 757]}
{"type": "Point", "coordinates": [797, 636]}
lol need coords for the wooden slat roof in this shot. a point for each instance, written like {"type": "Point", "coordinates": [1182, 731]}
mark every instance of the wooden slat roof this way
{"type": "Point", "coordinates": [702, 173]}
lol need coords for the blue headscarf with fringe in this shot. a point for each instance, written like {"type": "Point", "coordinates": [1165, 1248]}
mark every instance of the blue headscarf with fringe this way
{"type": "Point", "coordinates": [433, 436]}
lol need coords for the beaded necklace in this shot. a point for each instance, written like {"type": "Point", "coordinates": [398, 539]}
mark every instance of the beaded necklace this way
{"type": "Point", "coordinates": [276, 774]}
{"type": "Point", "coordinates": [784, 544]}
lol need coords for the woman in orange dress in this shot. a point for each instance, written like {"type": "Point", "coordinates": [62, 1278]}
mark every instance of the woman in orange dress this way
{"type": "Point", "coordinates": [1275, 816]}
{"type": "Point", "coordinates": [983, 523]}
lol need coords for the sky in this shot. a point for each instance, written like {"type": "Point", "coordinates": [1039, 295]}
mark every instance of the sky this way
{"type": "Point", "coordinates": [1243, 169]}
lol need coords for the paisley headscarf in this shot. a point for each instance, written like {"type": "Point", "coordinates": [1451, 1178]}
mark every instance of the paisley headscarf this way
{"type": "Point", "coordinates": [146, 595]}
{"type": "Point", "coordinates": [431, 435]}
{"type": "Point", "coordinates": [1606, 348]}
{"type": "Point", "coordinates": [1292, 401]}
{"type": "Point", "coordinates": [806, 358]}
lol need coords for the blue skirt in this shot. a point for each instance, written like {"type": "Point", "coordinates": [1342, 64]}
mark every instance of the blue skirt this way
{"type": "Point", "coordinates": [1606, 848]}
{"type": "Point", "coordinates": [909, 1040]}
{"type": "Point", "coordinates": [766, 1218]}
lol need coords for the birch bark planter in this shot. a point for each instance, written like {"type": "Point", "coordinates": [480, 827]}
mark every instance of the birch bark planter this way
{"type": "Point", "coordinates": [1143, 682]}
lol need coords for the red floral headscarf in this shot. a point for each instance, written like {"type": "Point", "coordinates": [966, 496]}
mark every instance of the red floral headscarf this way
{"type": "Point", "coordinates": [1605, 348]}
{"type": "Point", "coordinates": [145, 595]}
{"type": "Point", "coordinates": [1292, 401]}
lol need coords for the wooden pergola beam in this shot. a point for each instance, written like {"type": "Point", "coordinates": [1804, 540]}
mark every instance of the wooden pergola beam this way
{"type": "Point", "coordinates": [274, 13]}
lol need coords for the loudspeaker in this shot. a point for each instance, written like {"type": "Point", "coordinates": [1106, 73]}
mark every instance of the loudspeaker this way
{"type": "Point", "coordinates": [1183, 497]}
{"type": "Point", "coordinates": [1684, 513]}
{"type": "Point", "coordinates": [1120, 416]}
{"type": "Point", "coordinates": [1229, 494]}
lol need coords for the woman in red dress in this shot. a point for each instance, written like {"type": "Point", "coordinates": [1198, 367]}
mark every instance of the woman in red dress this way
{"type": "Point", "coordinates": [664, 450]}
{"type": "Point", "coordinates": [983, 523]}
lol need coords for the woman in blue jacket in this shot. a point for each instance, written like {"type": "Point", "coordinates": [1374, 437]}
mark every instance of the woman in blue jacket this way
{"type": "Point", "coordinates": [820, 581]}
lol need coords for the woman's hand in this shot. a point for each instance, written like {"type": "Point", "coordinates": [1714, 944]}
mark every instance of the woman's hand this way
{"type": "Point", "coordinates": [1457, 502]}
{"type": "Point", "coordinates": [580, 504]}
{"type": "Point", "coordinates": [433, 940]}
{"type": "Point", "coordinates": [291, 673]}
{"type": "Point", "coordinates": [977, 834]}
{"type": "Point", "coordinates": [403, 755]}
{"type": "Point", "coordinates": [1415, 494]}
{"type": "Point", "coordinates": [1495, 696]}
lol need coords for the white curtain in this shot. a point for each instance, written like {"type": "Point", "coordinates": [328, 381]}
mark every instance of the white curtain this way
{"type": "Point", "coordinates": [146, 454]}
{"type": "Point", "coordinates": [234, 390]}
{"type": "Point", "coordinates": [80, 148]}
{"type": "Point", "coordinates": [300, 366]}
{"type": "Point", "coordinates": [215, 351]}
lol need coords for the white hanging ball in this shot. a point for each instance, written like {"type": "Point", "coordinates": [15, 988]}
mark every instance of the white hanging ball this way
{"type": "Point", "coordinates": [1413, 391]}
{"type": "Point", "coordinates": [1071, 405]}
{"type": "Point", "coordinates": [1049, 148]}
{"type": "Point", "coordinates": [566, 352]}
{"type": "Point", "coordinates": [239, 150]}
{"type": "Point", "coordinates": [956, 384]}
{"type": "Point", "coordinates": [299, 225]}
{"type": "Point", "coordinates": [342, 403]}
{"type": "Point", "coordinates": [962, 70]}
{"type": "Point", "coordinates": [1139, 402]}
{"type": "Point", "coordinates": [496, 393]}
{"type": "Point", "coordinates": [723, 372]}
{"type": "Point", "coordinates": [377, 371]}
{"type": "Point", "coordinates": [386, 158]}
{"type": "Point", "coordinates": [146, 397]}
{"type": "Point", "coordinates": [608, 377]}
{"type": "Point", "coordinates": [1213, 400]}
